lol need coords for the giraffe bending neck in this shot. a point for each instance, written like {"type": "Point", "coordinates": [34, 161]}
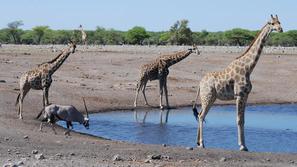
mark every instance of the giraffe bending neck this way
{"type": "Point", "coordinates": [179, 56]}
{"type": "Point", "coordinates": [252, 54]}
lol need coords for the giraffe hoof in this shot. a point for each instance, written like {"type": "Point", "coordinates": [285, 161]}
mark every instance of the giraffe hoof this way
{"type": "Point", "coordinates": [200, 145]}
{"type": "Point", "coordinates": [243, 148]}
{"type": "Point", "coordinates": [21, 117]}
{"type": "Point", "coordinates": [162, 107]}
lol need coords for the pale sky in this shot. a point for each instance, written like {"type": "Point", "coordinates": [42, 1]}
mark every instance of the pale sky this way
{"type": "Point", "coordinates": [154, 15]}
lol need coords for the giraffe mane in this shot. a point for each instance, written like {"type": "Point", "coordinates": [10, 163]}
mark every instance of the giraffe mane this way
{"type": "Point", "coordinates": [53, 60]}
{"type": "Point", "coordinates": [251, 44]}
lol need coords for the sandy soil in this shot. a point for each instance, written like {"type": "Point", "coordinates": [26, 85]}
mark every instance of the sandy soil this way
{"type": "Point", "coordinates": [106, 76]}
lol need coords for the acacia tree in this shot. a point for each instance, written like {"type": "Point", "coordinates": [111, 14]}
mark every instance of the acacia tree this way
{"type": "Point", "coordinates": [136, 35]}
{"type": "Point", "coordinates": [238, 36]}
{"type": "Point", "coordinates": [180, 33]}
{"type": "Point", "coordinates": [39, 32]}
{"type": "Point", "coordinates": [14, 31]}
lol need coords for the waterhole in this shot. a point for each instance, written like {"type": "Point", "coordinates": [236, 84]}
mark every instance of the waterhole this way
{"type": "Point", "coordinates": [268, 128]}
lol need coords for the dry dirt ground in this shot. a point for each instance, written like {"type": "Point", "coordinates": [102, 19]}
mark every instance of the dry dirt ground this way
{"type": "Point", "coordinates": [106, 76]}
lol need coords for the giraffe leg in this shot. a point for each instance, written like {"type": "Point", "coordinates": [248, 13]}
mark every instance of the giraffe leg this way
{"type": "Point", "coordinates": [139, 85]}
{"type": "Point", "coordinates": [46, 96]}
{"type": "Point", "coordinates": [166, 92]}
{"type": "Point", "coordinates": [240, 105]}
{"type": "Point", "coordinates": [143, 92]}
{"type": "Point", "coordinates": [206, 103]}
{"type": "Point", "coordinates": [161, 85]}
{"type": "Point", "coordinates": [23, 92]}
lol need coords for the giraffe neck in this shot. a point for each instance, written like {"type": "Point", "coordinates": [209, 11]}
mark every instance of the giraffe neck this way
{"type": "Point", "coordinates": [252, 54]}
{"type": "Point", "coordinates": [58, 61]}
{"type": "Point", "coordinates": [82, 32]}
{"type": "Point", "coordinates": [173, 59]}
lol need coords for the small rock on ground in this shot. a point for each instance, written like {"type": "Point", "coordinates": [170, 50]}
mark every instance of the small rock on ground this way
{"type": "Point", "coordinates": [20, 163]}
{"type": "Point", "coordinates": [155, 156]}
{"type": "Point", "coordinates": [34, 151]}
{"type": "Point", "coordinates": [39, 156]}
{"type": "Point", "coordinates": [147, 161]}
{"type": "Point", "coordinates": [2, 81]}
{"type": "Point", "coordinates": [10, 165]}
{"type": "Point", "coordinates": [189, 148]}
{"type": "Point", "coordinates": [117, 157]}
{"type": "Point", "coordinates": [223, 159]}
{"type": "Point", "coordinates": [59, 155]}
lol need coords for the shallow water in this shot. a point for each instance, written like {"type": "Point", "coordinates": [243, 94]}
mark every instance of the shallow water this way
{"type": "Point", "coordinates": [268, 128]}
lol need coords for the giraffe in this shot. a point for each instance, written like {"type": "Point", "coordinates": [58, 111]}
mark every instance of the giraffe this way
{"type": "Point", "coordinates": [158, 70]}
{"type": "Point", "coordinates": [40, 78]}
{"type": "Point", "coordinates": [233, 83]}
{"type": "Point", "coordinates": [83, 35]}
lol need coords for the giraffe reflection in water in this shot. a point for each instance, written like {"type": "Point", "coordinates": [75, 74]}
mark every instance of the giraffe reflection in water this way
{"type": "Point", "coordinates": [163, 116]}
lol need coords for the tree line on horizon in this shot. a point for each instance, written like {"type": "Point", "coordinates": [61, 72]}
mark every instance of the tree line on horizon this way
{"type": "Point", "coordinates": [178, 34]}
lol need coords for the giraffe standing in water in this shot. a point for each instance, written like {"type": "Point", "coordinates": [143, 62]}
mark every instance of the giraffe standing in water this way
{"type": "Point", "coordinates": [233, 83]}
{"type": "Point", "coordinates": [159, 70]}
{"type": "Point", "coordinates": [40, 78]}
{"type": "Point", "coordinates": [83, 35]}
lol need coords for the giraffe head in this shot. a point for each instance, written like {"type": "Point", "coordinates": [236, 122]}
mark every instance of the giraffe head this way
{"type": "Point", "coordinates": [275, 23]}
{"type": "Point", "coordinates": [72, 46]}
{"type": "Point", "coordinates": [194, 49]}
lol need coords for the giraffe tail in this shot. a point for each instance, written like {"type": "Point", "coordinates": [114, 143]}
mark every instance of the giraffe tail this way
{"type": "Point", "coordinates": [194, 108]}
{"type": "Point", "coordinates": [17, 100]}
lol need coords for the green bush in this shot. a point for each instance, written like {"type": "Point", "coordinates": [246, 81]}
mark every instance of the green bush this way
{"type": "Point", "coordinates": [136, 35]}
{"type": "Point", "coordinates": [180, 33]}
{"type": "Point", "coordinates": [238, 36]}
{"type": "Point", "coordinates": [39, 32]}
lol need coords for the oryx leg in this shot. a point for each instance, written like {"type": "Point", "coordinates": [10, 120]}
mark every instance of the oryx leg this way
{"type": "Point", "coordinates": [69, 125]}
